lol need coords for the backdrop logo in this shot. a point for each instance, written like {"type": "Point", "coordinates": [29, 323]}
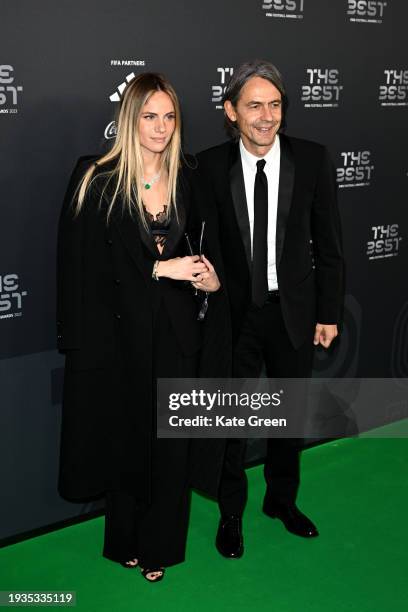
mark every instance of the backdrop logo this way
{"type": "Point", "coordinates": [9, 94]}
{"type": "Point", "coordinates": [218, 90]}
{"type": "Point", "coordinates": [283, 9]}
{"type": "Point", "coordinates": [111, 129]}
{"type": "Point", "coordinates": [117, 95]}
{"type": "Point", "coordinates": [356, 170]}
{"type": "Point", "coordinates": [394, 92]}
{"type": "Point", "coordinates": [385, 241]}
{"type": "Point", "coordinates": [365, 11]}
{"type": "Point", "coordinates": [11, 297]}
{"type": "Point", "coordinates": [323, 88]}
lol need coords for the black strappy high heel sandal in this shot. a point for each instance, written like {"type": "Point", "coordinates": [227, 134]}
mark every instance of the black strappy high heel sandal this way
{"type": "Point", "coordinates": [145, 572]}
{"type": "Point", "coordinates": [127, 563]}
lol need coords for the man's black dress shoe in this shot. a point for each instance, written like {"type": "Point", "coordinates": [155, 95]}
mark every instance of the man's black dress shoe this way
{"type": "Point", "coordinates": [229, 541]}
{"type": "Point", "coordinates": [293, 519]}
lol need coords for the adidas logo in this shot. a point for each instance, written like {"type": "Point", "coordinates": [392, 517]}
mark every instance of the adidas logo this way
{"type": "Point", "coordinates": [115, 97]}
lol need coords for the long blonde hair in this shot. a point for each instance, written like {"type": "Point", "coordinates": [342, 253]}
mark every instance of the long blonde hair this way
{"type": "Point", "coordinates": [126, 151]}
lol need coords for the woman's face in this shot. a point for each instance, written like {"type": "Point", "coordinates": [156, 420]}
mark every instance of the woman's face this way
{"type": "Point", "coordinates": [157, 123]}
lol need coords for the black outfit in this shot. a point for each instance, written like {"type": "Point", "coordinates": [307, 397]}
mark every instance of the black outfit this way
{"type": "Point", "coordinates": [156, 532]}
{"type": "Point", "coordinates": [120, 330]}
{"type": "Point", "coordinates": [278, 331]}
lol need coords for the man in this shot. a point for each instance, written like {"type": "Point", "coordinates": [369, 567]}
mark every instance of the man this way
{"type": "Point", "coordinates": [275, 196]}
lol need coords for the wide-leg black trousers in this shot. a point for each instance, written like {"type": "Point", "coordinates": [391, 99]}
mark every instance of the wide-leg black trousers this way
{"type": "Point", "coordinates": [156, 533]}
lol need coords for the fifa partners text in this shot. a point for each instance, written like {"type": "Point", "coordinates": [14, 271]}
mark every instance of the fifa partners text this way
{"type": "Point", "coordinates": [208, 401]}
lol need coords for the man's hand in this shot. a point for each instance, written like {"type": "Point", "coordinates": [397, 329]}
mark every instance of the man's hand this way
{"type": "Point", "coordinates": [324, 334]}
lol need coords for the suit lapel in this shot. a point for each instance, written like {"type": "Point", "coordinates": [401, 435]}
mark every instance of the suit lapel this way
{"type": "Point", "coordinates": [128, 229]}
{"type": "Point", "coordinates": [125, 224]}
{"type": "Point", "coordinates": [286, 183]}
{"type": "Point", "coordinates": [237, 187]}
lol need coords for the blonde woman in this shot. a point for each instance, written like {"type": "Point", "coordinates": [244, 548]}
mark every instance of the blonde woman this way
{"type": "Point", "coordinates": [126, 316]}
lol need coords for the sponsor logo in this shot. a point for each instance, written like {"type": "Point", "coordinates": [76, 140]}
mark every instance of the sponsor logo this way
{"type": "Point", "coordinates": [111, 129]}
{"type": "Point", "coordinates": [385, 241]}
{"type": "Point", "coordinates": [9, 93]}
{"type": "Point", "coordinates": [117, 95]}
{"type": "Point", "coordinates": [394, 91]}
{"type": "Point", "coordinates": [322, 89]}
{"type": "Point", "coordinates": [356, 169]}
{"type": "Point", "coordinates": [11, 297]}
{"type": "Point", "coordinates": [283, 9]}
{"type": "Point", "coordinates": [218, 90]}
{"type": "Point", "coordinates": [365, 11]}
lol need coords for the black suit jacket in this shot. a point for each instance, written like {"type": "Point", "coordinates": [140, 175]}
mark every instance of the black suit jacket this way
{"type": "Point", "coordinates": [308, 245]}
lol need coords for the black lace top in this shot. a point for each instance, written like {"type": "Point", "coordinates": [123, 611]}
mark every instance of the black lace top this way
{"type": "Point", "coordinates": [159, 225]}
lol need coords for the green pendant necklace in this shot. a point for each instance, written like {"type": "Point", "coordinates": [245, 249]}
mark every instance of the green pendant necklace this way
{"type": "Point", "coordinates": [154, 179]}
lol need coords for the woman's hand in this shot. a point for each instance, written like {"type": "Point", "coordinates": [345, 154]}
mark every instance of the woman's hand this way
{"type": "Point", "coordinates": [182, 268]}
{"type": "Point", "coordinates": [207, 280]}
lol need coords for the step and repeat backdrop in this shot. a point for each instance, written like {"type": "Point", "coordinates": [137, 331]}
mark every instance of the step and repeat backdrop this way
{"type": "Point", "coordinates": [63, 68]}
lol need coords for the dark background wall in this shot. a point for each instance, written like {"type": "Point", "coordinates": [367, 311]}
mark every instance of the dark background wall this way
{"type": "Point", "coordinates": [61, 68]}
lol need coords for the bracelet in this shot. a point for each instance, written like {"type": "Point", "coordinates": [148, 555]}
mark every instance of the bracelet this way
{"type": "Point", "coordinates": [154, 271]}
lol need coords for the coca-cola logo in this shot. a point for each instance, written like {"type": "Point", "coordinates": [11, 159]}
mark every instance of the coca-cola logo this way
{"type": "Point", "coordinates": [111, 130]}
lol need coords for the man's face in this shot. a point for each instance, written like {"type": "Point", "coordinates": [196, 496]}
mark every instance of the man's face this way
{"type": "Point", "coordinates": [258, 114]}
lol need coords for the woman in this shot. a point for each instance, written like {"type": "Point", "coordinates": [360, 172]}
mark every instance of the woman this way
{"type": "Point", "coordinates": [127, 315]}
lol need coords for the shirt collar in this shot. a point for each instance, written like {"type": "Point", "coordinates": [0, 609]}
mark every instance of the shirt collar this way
{"type": "Point", "coordinates": [250, 160]}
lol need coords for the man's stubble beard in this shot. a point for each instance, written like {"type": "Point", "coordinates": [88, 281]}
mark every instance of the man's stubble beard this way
{"type": "Point", "coordinates": [270, 142]}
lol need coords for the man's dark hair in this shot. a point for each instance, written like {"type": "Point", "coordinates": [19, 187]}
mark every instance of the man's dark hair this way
{"type": "Point", "coordinates": [255, 68]}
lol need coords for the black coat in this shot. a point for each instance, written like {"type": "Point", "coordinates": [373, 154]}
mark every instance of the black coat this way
{"type": "Point", "coordinates": [106, 304]}
{"type": "Point", "coordinates": [310, 276]}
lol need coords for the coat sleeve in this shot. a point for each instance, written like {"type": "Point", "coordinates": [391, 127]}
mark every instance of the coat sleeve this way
{"type": "Point", "coordinates": [71, 231]}
{"type": "Point", "coordinates": [216, 352]}
{"type": "Point", "coordinates": [327, 247]}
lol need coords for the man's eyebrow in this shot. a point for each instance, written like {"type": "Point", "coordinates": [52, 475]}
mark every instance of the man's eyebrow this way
{"type": "Point", "coordinates": [260, 102]}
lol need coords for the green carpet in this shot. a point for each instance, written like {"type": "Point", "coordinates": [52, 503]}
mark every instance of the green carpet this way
{"type": "Point", "coordinates": [355, 490]}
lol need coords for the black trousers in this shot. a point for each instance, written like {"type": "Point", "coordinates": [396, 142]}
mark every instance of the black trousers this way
{"type": "Point", "coordinates": [264, 339]}
{"type": "Point", "coordinates": [156, 533]}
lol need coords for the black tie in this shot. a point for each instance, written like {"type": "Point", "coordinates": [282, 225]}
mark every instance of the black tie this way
{"type": "Point", "coordinates": [259, 242]}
